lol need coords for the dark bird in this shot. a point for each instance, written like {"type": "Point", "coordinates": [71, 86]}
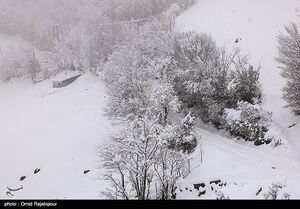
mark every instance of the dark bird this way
{"type": "Point", "coordinates": [86, 171]}
{"type": "Point", "coordinates": [36, 171]}
{"type": "Point", "coordinates": [237, 41]}
{"type": "Point", "coordinates": [22, 178]}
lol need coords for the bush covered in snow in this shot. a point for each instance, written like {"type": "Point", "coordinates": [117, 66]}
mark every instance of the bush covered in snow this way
{"type": "Point", "coordinates": [184, 138]}
{"type": "Point", "coordinates": [244, 84]}
{"type": "Point", "coordinates": [163, 100]}
{"type": "Point", "coordinates": [208, 79]}
{"type": "Point", "coordinates": [249, 122]}
{"type": "Point", "coordinates": [19, 62]}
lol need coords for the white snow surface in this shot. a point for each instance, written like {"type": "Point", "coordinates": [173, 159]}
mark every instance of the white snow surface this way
{"type": "Point", "coordinates": [55, 130]}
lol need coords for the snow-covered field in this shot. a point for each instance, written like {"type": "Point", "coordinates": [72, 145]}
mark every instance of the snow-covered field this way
{"type": "Point", "coordinates": [55, 130]}
{"type": "Point", "coordinates": [256, 24]}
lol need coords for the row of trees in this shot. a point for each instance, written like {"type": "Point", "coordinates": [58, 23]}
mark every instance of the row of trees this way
{"type": "Point", "coordinates": [151, 153]}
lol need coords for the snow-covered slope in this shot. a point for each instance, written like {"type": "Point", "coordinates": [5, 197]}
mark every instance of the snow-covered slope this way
{"type": "Point", "coordinates": [243, 167]}
{"type": "Point", "coordinates": [55, 130]}
{"type": "Point", "coordinates": [256, 23]}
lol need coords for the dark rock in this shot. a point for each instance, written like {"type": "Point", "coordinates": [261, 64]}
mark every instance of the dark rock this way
{"type": "Point", "coordinates": [268, 141]}
{"type": "Point", "coordinates": [259, 191]}
{"type": "Point", "coordinates": [180, 190]}
{"type": "Point", "coordinates": [202, 193]}
{"type": "Point", "coordinates": [36, 171]}
{"type": "Point", "coordinates": [258, 142]}
{"type": "Point", "coordinates": [186, 188]}
{"type": "Point", "coordinates": [86, 171]}
{"type": "Point", "coordinates": [22, 178]}
{"type": "Point", "coordinates": [215, 182]}
{"type": "Point", "coordinates": [197, 186]}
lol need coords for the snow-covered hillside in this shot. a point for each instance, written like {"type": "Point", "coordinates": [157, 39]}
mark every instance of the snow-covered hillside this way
{"type": "Point", "coordinates": [256, 24]}
{"type": "Point", "coordinates": [59, 130]}
{"type": "Point", "coordinates": [244, 168]}
{"type": "Point", "coordinates": [55, 130]}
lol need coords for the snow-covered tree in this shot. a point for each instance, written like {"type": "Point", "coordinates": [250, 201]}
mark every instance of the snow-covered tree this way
{"type": "Point", "coordinates": [289, 60]}
{"type": "Point", "coordinates": [163, 99]}
{"type": "Point", "coordinates": [194, 66]}
{"type": "Point", "coordinates": [245, 85]}
{"type": "Point", "coordinates": [133, 75]}
{"type": "Point", "coordinates": [128, 81]}
{"type": "Point", "coordinates": [169, 168]}
{"type": "Point", "coordinates": [34, 67]}
{"type": "Point", "coordinates": [184, 137]}
{"type": "Point", "coordinates": [135, 153]}
{"type": "Point", "coordinates": [133, 160]}
{"type": "Point", "coordinates": [19, 62]}
{"type": "Point", "coordinates": [141, 160]}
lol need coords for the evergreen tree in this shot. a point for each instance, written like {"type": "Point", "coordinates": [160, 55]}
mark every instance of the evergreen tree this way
{"type": "Point", "coordinates": [289, 60]}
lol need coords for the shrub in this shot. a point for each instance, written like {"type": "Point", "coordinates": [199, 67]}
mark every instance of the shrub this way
{"type": "Point", "coordinates": [245, 85]}
{"type": "Point", "coordinates": [183, 137]}
{"type": "Point", "coordinates": [249, 122]}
